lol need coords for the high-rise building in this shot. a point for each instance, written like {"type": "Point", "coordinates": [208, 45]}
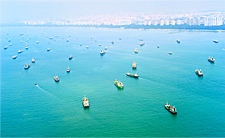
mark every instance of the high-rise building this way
{"type": "Point", "coordinates": [212, 21]}
{"type": "Point", "coordinates": [219, 21]}
{"type": "Point", "coordinates": [198, 21]}
{"type": "Point", "coordinates": [149, 23]}
{"type": "Point", "coordinates": [190, 21]}
{"type": "Point", "coordinates": [178, 22]}
{"type": "Point", "coordinates": [155, 22]}
{"type": "Point", "coordinates": [161, 23]}
{"type": "Point", "coordinates": [172, 22]}
{"type": "Point", "coordinates": [206, 21]}
{"type": "Point", "coordinates": [167, 22]}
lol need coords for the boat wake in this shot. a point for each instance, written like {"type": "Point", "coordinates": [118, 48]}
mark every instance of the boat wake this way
{"type": "Point", "coordinates": [46, 92]}
{"type": "Point", "coordinates": [120, 53]}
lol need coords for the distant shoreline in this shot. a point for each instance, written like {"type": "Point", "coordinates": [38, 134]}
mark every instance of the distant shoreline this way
{"type": "Point", "coordinates": [132, 26]}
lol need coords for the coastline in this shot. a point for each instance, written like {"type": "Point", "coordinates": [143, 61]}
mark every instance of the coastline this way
{"type": "Point", "coordinates": [132, 26]}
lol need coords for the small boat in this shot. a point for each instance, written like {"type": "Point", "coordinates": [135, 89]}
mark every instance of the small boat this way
{"type": "Point", "coordinates": [112, 42]}
{"type": "Point", "coordinates": [68, 70]}
{"type": "Point", "coordinates": [70, 57]}
{"type": "Point", "coordinates": [134, 65]}
{"type": "Point", "coordinates": [26, 47]}
{"type": "Point", "coordinates": [14, 57]}
{"type": "Point", "coordinates": [135, 75]}
{"type": "Point", "coordinates": [26, 66]}
{"type": "Point", "coordinates": [136, 50]}
{"type": "Point", "coordinates": [157, 46]}
{"type": "Point", "coordinates": [118, 84]}
{"type": "Point", "coordinates": [20, 51]}
{"type": "Point", "coordinates": [170, 53]}
{"type": "Point", "coordinates": [102, 52]}
{"type": "Point", "coordinates": [85, 102]}
{"type": "Point", "coordinates": [37, 42]}
{"type": "Point", "coordinates": [106, 48]}
{"type": "Point", "coordinates": [87, 47]}
{"type": "Point", "coordinates": [67, 40]}
{"type": "Point", "coordinates": [199, 72]}
{"type": "Point", "coordinates": [216, 41]}
{"type": "Point", "coordinates": [178, 41]}
{"type": "Point", "coordinates": [56, 78]}
{"type": "Point", "coordinates": [5, 47]}
{"type": "Point", "coordinates": [211, 59]}
{"type": "Point", "coordinates": [171, 109]}
{"type": "Point", "coordinates": [48, 49]}
{"type": "Point", "coordinates": [36, 84]}
{"type": "Point", "coordinates": [33, 60]}
{"type": "Point", "coordinates": [142, 43]}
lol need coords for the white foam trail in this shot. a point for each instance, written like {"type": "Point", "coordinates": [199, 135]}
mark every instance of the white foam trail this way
{"type": "Point", "coordinates": [46, 92]}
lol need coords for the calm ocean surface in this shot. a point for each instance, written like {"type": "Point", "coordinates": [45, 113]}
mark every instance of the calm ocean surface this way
{"type": "Point", "coordinates": [54, 109]}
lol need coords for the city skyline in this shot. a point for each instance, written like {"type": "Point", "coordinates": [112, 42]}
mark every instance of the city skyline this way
{"type": "Point", "coordinates": [191, 19]}
{"type": "Point", "coordinates": [13, 11]}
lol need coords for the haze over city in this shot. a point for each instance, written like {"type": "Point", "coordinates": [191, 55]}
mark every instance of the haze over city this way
{"type": "Point", "coordinates": [13, 11]}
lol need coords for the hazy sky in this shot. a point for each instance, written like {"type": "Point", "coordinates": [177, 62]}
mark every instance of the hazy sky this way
{"type": "Point", "coordinates": [15, 10]}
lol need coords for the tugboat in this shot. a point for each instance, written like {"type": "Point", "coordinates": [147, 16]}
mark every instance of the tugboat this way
{"type": "Point", "coordinates": [102, 52]}
{"type": "Point", "coordinates": [215, 41]}
{"type": "Point", "coordinates": [85, 102]}
{"type": "Point", "coordinates": [68, 70]}
{"type": "Point", "coordinates": [118, 84]}
{"type": "Point", "coordinates": [135, 75]}
{"type": "Point", "coordinates": [170, 108]}
{"type": "Point", "coordinates": [170, 53]}
{"type": "Point", "coordinates": [56, 78]}
{"type": "Point", "coordinates": [211, 59]}
{"type": "Point", "coordinates": [178, 41]}
{"type": "Point", "coordinates": [14, 57]}
{"type": "Point", "coordinates": [20, 51]}
{"type": "Point", "coordinates": [135, 50]}
{"type": "Point", "coordinates": [5, 47]}
{"type": "Point", "coordinates": [134, 65]}
{"type": "Point", "coordinates": [26, 66]}
{"type": "Point", "coordinates": [33, 60]}
{"type": "Point", "coordinates": [142, 43]}
{"type": "Point", "coordinates": [70, 57]}
{"type": "Point", "coordinates": [199, 72]}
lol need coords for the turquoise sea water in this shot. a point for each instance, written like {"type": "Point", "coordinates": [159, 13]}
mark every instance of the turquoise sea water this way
{"type": "Point", "coordinates": [54, 109]}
